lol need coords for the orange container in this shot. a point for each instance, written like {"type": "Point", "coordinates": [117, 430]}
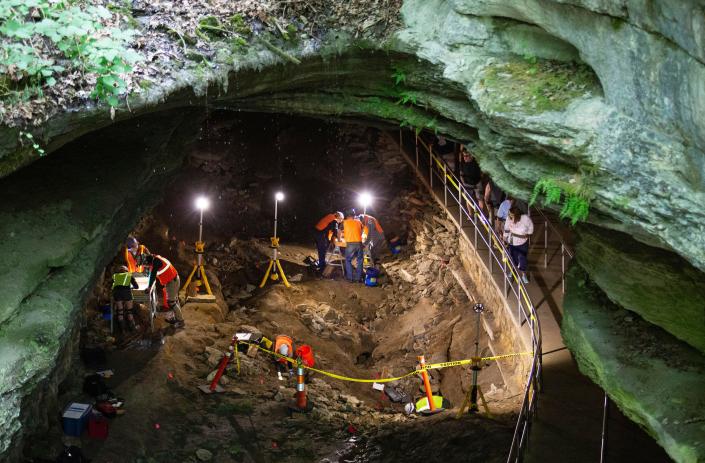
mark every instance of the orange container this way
{"type": "Point", "coordinates": [306, 354]}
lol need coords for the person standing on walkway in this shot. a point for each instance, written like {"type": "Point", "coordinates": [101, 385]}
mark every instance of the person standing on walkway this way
{"type": "Point", "coordinates": [352, 233]}
{"type": "Point", "coordinates": [502, 214]}
{"type": "Point", "coordinates": [322, 231]}
{"type": "Point", "coordinates": [517, 230]}
{"type": "Point", "coordinates": [471, 176]}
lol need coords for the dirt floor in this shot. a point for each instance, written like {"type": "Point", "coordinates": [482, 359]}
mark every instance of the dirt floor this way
{"type": "Point", "coordinates": [355, 330]}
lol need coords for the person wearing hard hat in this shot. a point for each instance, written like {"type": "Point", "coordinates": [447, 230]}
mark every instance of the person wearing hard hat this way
{"type": "Point", "coordinates": [123, 282]}
{"type": "Point", "coordinates": [375, 238]}
{"type": "Point", "coordinates": [322, 233]}
{"type": "Point", "coordinates": [163, 271]}
{"type": "Point", "coordinates": [133, 252]}
{"type": "Point", "coordinates": [352, 233]}
{"type": "Point", "coordinates": [283, 345]}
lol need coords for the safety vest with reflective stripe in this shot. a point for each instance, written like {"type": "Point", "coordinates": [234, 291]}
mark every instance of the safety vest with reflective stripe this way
{"type": "Point", "coordinates": [122, 279]}
{"type": "Point", "coordinates": [283, 339]}
{"type": "Point", "coordinates": [352, 230]}
{"type": "Point", "coordinates": [167, 272]}
{"type": "Point", "coordinates": [132, 262]}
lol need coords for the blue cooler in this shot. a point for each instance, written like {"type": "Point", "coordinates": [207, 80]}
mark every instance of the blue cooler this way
{"type": "Point", "coordinates": [371, 275]}
{"type": "Point", "coordinates": [75, 419]}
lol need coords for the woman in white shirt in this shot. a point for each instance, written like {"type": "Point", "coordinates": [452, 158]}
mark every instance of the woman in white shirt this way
{"type": "Point", "coordinates": [517, 229]}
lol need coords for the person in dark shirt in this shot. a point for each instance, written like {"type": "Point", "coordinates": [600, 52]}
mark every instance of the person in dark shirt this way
{"type": "Point", "coordinates": [471, 175]}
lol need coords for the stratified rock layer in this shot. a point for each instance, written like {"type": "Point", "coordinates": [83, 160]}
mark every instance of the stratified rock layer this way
{"type": "Point", "coordinates": [660, 286]}
{"type": "Point", "coordinates": [656, 380]}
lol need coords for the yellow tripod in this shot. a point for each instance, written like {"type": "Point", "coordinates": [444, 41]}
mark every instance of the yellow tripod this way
{"type": "Point", "coordinates": [274, 269]}
{"type": "Point", "coordinates": [470, 401]}
{"type": "Point", "coordinates": [198, 270]}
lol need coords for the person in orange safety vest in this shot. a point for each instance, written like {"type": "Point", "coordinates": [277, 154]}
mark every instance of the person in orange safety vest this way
{"type": "Point", "coordinates": [352, 233]}
{"type": "Point", "coordinates": [133, 254]}
{"type": "Point", "coordinates": [163, 271]}
{"type": "Point", "coordinates": [324, 230]}
{"type": "Point", "coordinates": [283, 345]}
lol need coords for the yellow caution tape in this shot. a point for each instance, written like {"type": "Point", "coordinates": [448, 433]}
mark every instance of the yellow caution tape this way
{"type": "Point", "coordinates": [431, 366]}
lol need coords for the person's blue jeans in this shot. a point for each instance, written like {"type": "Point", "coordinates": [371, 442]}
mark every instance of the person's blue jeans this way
{"type": "Point", "coordinates": [519, 255]}
{"type": "Point", "coordinates": [322, 244]}
{"type": "Point", "coordinates": [353, 250]}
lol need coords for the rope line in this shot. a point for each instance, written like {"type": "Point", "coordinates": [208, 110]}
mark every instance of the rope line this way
{"type": "Point", "coordinates": [430, 366]}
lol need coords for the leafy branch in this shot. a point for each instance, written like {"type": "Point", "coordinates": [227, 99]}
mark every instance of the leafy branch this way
{"type": "Point", "coordinates": [574, 197]}
{"type": "Point", "coordinates": [68, 31]}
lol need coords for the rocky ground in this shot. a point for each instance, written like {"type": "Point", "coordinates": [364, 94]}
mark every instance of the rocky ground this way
{"type": "Point", "coordinates": [420, 308]}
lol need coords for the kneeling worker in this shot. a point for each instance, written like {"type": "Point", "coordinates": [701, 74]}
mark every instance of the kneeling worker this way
{"type": "Point", "coordinates": [283, 345]}
{"type": "Point", "coordinates": [123, 282]}
{"type": "Point", "coordinates": [163, 271]}
{"type": "Point", "coordinates": [327, 224]}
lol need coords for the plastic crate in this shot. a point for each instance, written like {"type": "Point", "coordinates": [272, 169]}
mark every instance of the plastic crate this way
{"type": "Point", "coordinates": [75, 418]}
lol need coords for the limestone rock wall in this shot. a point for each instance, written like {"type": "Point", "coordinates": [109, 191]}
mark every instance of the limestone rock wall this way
{"type": "Point", "coordinates": [653, 378]}
{"type": "Point", "coordinates": [62, 221]}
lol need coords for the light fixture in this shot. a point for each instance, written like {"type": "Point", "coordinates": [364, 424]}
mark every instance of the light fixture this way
{"type": "Point", "coordinates": [202, 203]}
{"type": "Point", "coordinates": [365, 200]}
{"type": "Point", "coordinates": [279, 196]}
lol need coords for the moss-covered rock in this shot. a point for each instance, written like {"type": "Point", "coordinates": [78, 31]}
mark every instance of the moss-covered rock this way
{"type": "Point", "coordinates": [656, 380]}
{"type": "Point", "coordinates": [661, 287]}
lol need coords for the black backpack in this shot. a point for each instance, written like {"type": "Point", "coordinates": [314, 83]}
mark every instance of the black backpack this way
{"type": "Point", "coordinates": [94, 385]}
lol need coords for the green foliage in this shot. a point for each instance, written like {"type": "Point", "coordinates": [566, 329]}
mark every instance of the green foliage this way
{"type": "Point", "coordinates": [575, 199]}
{"type": "Point", "coordinates": [70, 27]}
{"type": "Point", "coordinates": [209, 28]}
{"type": "Point", "coordinates": [533, 85]}
{"type": "Point", "coordinates": [239, 26]}
{"type": "Point", "coordinates": [399, 76]}
{"type": "Point", "coordinates": [26, 136]}
{"type": "Point", "coordinates": [406, 97]}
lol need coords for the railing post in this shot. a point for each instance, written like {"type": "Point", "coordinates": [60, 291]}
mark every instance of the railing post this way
{"type": "Point", "coordinates": [445, 186]}
{"type": "Point", "coordinates": [474, 222]}
{"type": "Point", "coordinates": [504, 270]}
{"type": "Point", "coordinates": [563, 268]}
{"type": "Point", "coordinates": [460, 207]}
{"type": "Point", "coordinates": [605, 412]}
{"type": "Point", "coordinates": [545, 243]}
{"type": "Point", "coordinates": [489, 247]}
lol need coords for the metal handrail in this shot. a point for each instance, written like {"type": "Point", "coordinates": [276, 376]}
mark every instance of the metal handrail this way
{"type": "Point", "coordinates": [469, 210]}
{"type": "Point", "coordinates": [565, 249]}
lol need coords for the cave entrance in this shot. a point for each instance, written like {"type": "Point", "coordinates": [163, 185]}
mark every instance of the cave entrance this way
{"type": "Point", "coordinates": [239, 161]}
